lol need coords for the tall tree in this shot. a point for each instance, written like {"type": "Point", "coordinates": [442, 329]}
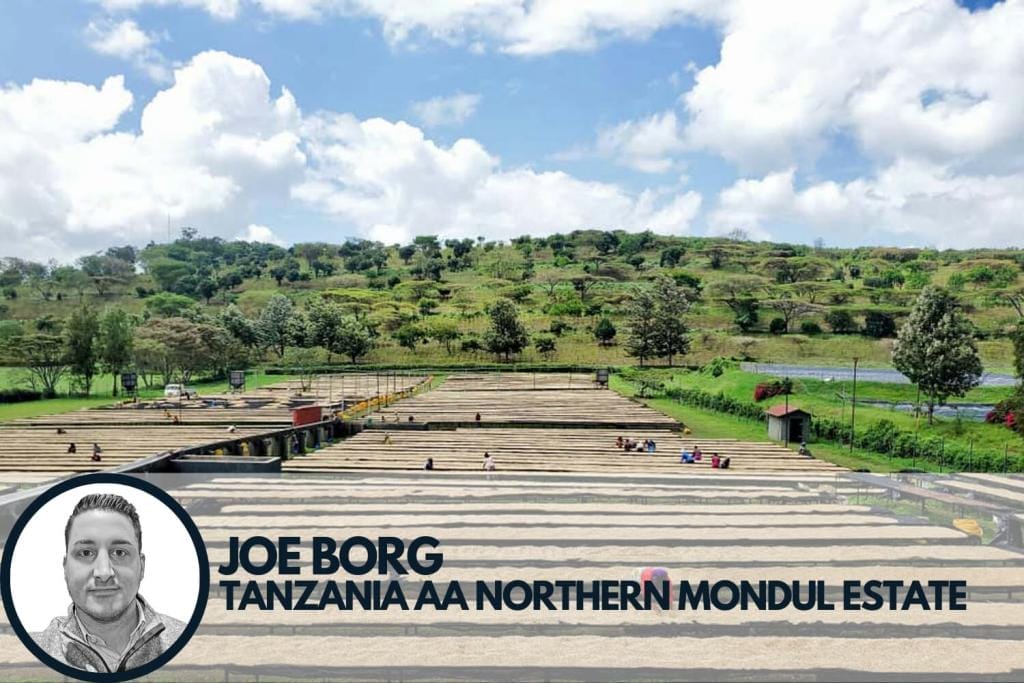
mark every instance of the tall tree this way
{"type": "Point", "coordinates": [275, 325]}
{"type": "Point", "coordinates": [115, 342]}
{"type": "Point", "coordinates": [604, 331]}
{"type": "Point", "coordinates": [240, 327]}
{"type": "Point", "coordinates": [80, 334]}
{"type": "Point", "coordinates": [935, 348]}
{"type": "Point", "coordinates": [46, 358]}
{"type": "Point", "coordinates": [324, 322]}
{"type": "Point", "coordinates": [1018, 351]}
{"type": "Point", "coordinates": [642, 322]}
{"type": "Point", "coordinates": [506, 335]}
{"type": "Point", "coordinates": [178, 346]}
{"type": "Point", "coordinates": [444, 332]}
{"type": "Point", "coordinates": [671, 334]}
{"type": "Point", "coordinates": [353, 339]}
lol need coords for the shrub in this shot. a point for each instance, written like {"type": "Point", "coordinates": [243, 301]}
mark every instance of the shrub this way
{"type": "Point", "coordinates": [769, 389]}
{"type": "Point", "coordinates": [841, 322]}
{"type": "Point", "coordinates": [777, 326]}
{"type": "Point", "coordinates": [810, 327]}
{"type": "Point", "coordinates": [604, 331]}
{"type": "Point", "coordinates": [470, 345]}
{"type": "Point", "coordinates": [567, 308]}
{"type": "Point", "coordinates": [1009, 412]}
{"type": "Point", "coordinates": [557, 327]}
{"type": "Point", "coordinates": [19, 395]}
{"type": "Point", "coordinates": [545, 344]}
{"type": "Point", "coordinates": [879, 325]}
{"type": "Point", "coordinates": [717, 366]}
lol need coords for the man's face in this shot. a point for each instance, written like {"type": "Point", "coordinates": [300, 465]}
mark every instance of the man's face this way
{"type": "Point", "coordinates": [103, 566]}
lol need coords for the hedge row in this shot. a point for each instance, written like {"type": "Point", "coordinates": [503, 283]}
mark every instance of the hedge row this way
{"type": "Point", "coordinates": [882, 437]}
{"type": "Point", "coordinates": [19, 395]}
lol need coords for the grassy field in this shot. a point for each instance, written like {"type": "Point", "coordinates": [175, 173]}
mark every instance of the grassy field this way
{"type": "Point", "coordinates": [832, 399]}
{"type": "Point", "coordinates": [711, 425]}
{"type": "Point", "coordinates": [14, 411]}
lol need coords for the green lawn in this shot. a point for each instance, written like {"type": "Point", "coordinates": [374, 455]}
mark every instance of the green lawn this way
{"type": "Point", "coordinates": [832, 399]}
{"type": "Point", "coordinates": [712, 425]}
{"type": "Point", "coordinates": [14, 411]}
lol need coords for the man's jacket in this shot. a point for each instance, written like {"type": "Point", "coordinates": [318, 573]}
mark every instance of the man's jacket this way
{"type": "Point", "coordinates": [63, 640]}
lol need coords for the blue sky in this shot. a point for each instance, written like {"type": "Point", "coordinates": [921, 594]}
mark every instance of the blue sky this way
{"type": "Point", "coordinates": [863, 122]}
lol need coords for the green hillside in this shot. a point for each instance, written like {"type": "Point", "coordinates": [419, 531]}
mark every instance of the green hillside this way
{"type": "Point", "coordinates": [831, 304]}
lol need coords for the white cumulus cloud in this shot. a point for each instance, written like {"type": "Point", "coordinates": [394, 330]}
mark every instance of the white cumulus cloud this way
{"type": "Point", "coordinates": [525, 27]}
{"type": "Point", "coordinates": [210, 144]}
{"type": "Point", "coordinates": [907, 78]}
{"type": "Point", "coordinates": [221, 9]}
{"type": "Point", "coordinates": [650, 145]}
{"type": "Point", "coordinates": [217, 144]}
{"type": "Point", "coordinates": [392, 183]}
{"type": "Point", "coordinates": [260, 233]}
{"type": "Point", "coordinates": [446, 111]}
{"type": "Point", "coordinates": [907, 202]}
{"type": "Point", "coordinates": [125, 40]}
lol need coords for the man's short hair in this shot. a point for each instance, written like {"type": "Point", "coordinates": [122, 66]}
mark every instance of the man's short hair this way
{"type": "Point", "coordinates": [105, 501]}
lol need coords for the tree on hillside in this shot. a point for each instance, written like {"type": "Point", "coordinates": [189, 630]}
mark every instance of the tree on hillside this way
{"type": "Point", "coordinates": [935, 348]}
{"type": "Point", "coordinates": [810, 290]}
{"type": "Point", "coordinates": [170, 305]}
{"type": "Point", "coordinates": [45, 356]}
{"type": "Point", "coordinates": [790, 310]}
{"type": "Point", "coordinates": [241, 328]}
{"type": "Point", "coordinates": [737, 293]}
{"type": "Point", "coordinates": [671, 333]}
{"type": "Point", "coordinates": [506, 264]}
{"type": "Point", "coordinates": [444, 332]}
{"type": "Point", "coordinates": [106, 271]}
{"type": "Point", "coordinates": [879, 325]}
{"type": "Point", "coordinates": [39, 277]}
{"type": "Point", "coordinates": [406, 253]}
{"type": "Point", "coordinates": [584, 283]}
{"type": "Point", "coordinates": [549, 279]}
{"type": "Point", "coordinates": [1018, 350]}
{"type": "Point", "coordinates": [409, 335]}
{"type": "Point", "coordinates": [275, 325]}
{"type": "Point", "coordinates": [169, 273]}
{"type": "Point", "coordinates": [642, 322]}
{"type": "Point", "coordinates": [506, 335]}
{"type": "Point", "coordinates": [353, 339]}
{"type": "Point", "coordinates": [325, 320]}
{"type": "Point", "coordinates": [70, 279]}
{"type": "Point", "coordinates": [115, 343]}
{"type": "Point", "coordinates": [80, 334]}
{"type": "Point", "coordinates": [546, 345]}
{"type": "Point", "coordinates": [606, 243]}
{"type": "Point", "coordinates": [604, 331]}
{"type": "Point", "coordinates": [671, 256]}
{"type": "Point", "coordinates": [841, 321]}
{"type": "Point", "coordinates": [176, 346]}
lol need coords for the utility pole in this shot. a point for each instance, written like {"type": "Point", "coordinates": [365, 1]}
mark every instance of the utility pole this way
{"type": "Point", "coordinates": [788, 423]}
{"type": "Point", "coordinates": [853, 406]}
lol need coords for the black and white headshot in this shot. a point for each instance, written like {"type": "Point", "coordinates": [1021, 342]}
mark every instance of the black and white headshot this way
{"type": "Point", "coordinates": [127, 584]}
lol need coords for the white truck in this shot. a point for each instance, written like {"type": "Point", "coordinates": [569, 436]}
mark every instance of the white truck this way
{"type": "Point", "coordinates": [182, 390]}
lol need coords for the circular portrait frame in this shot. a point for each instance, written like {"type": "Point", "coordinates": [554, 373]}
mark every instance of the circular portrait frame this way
{"type": "Point", "coordinates": [171, 504]}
